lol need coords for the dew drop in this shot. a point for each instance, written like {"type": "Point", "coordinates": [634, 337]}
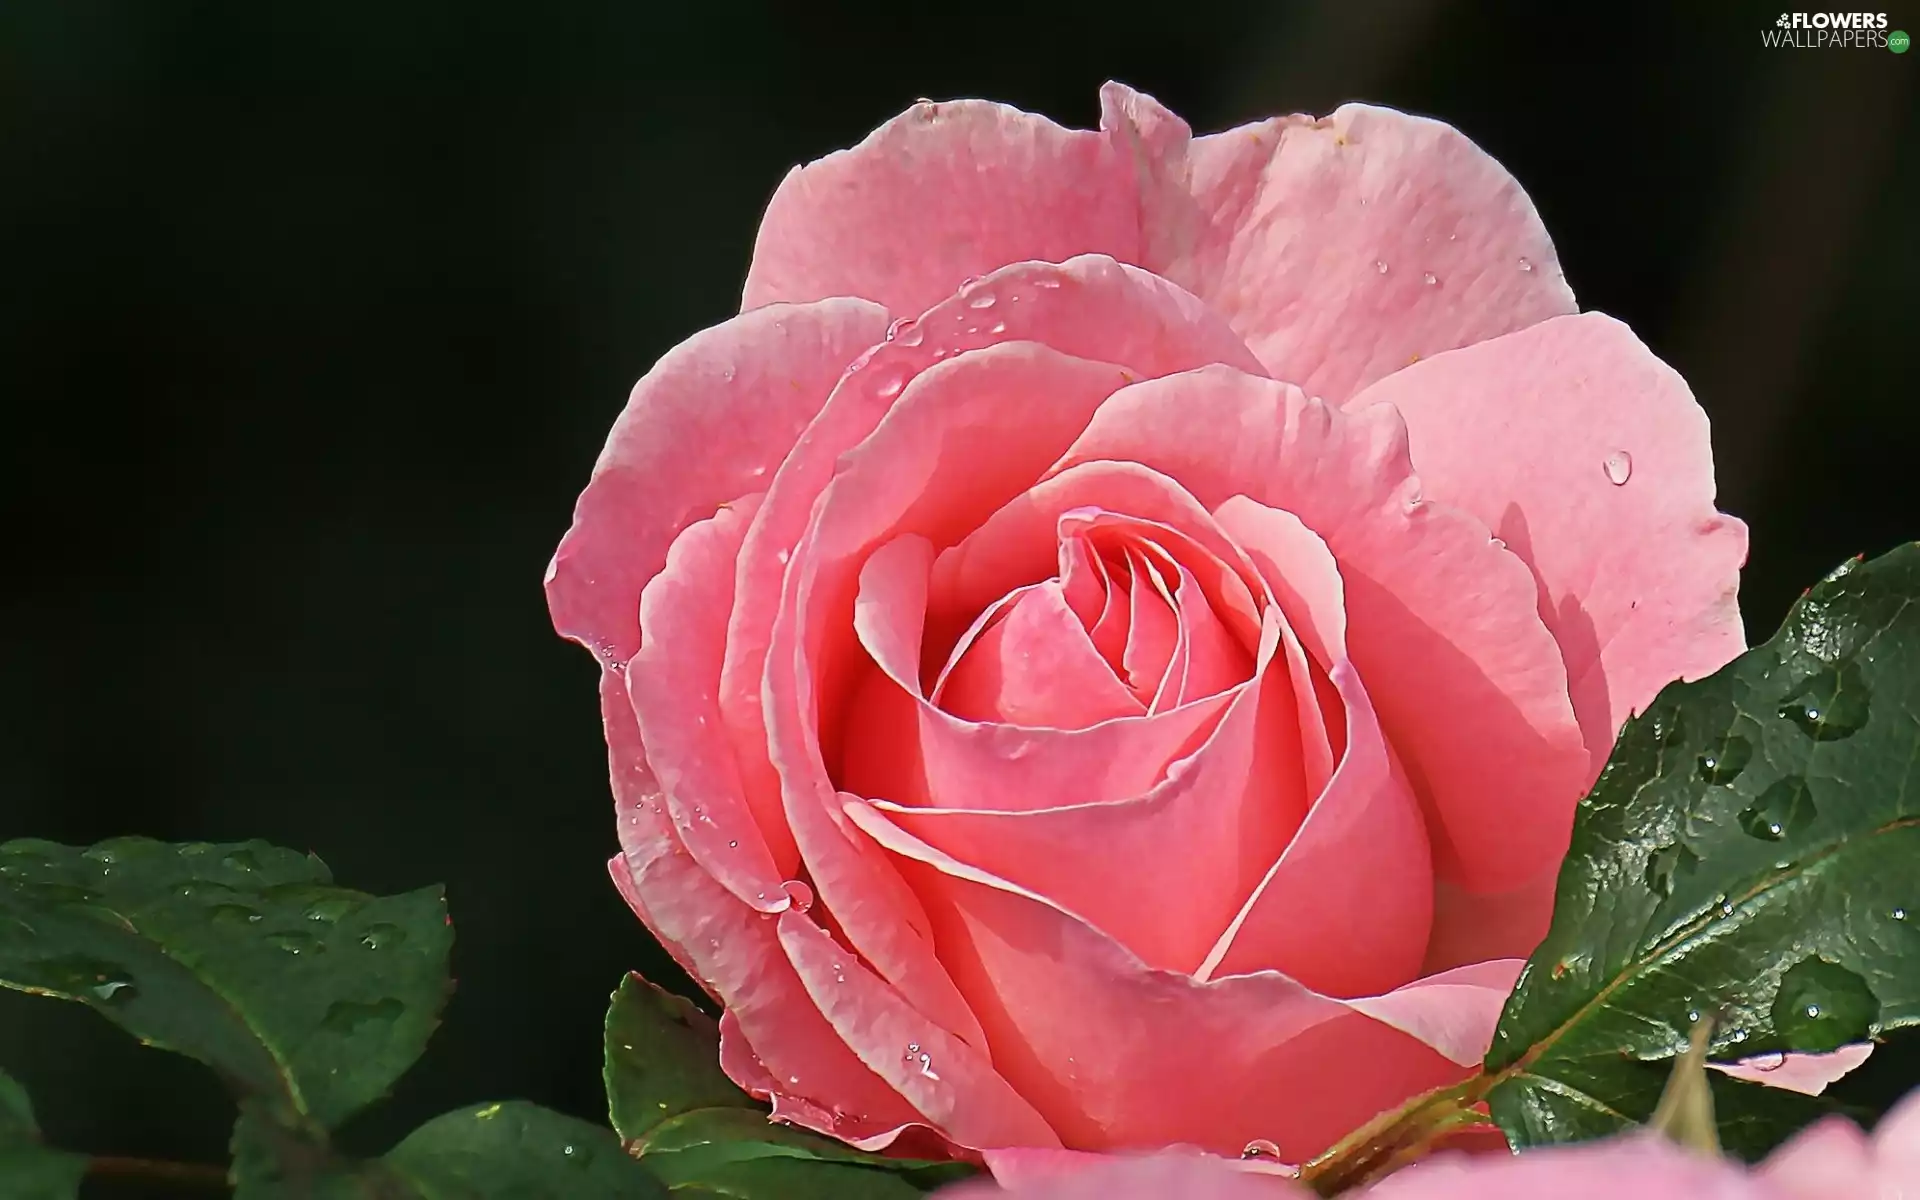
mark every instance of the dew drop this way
{"type": "Point", "coordinates": [782, 556]}
{"type": "Point", "coordinates": [1380, 265]}
{"type": "Point", "coordinates": [1429, 278]}
{"type": "Point", "coordinates": [348, 1016]}
{"type": "Point", "coordinates": [900, 326]}
{"type": "Point", "coordinates": [799, 893]}
{"type": "Point", "coordinates": [232, 914]}
{"type": "Point", "coordinates": [1618, 467]}
{"type": "Point", "coordinates": [1782, 811]}
{"type": "Point", "coordinates": [379, 937]}
{"type": "Point", "coordinates": [294, 943]}
{"type": "Point", "coordinates": [1047, 284]}
{"type": "Point", "coordinates": [733, 844]}
{"type": "Point", "coordinates": [926, 1067]}
{"type": "Point", "coordinates": [114, 990]}
{"type": "Point", "coordinates": [329, 909]}
{"type": "Point", "coordinates": [1822, 1006]}
{"type": "Point", "coordinates": [569, 1150]}
{"type": "Point", "coordinates": [1260, 1148]}
{"type": "Point", "coordinates": [998, 327]}
{"type": "Point", "coordinates": [982, 300]}
{"type": "Point", "coordinates": [1898, 914]}
{"type": "Point", "coordinates": [792, 1079]}
{"type": "Point", "coordinates": [1768, 1062]}
{"type": "Point", "coordinates": [1526, 264]}
{"type": "Point", "coordinates": [1722, 762]}
{"type": "Point", "coordinates": [1830, 705]}
{"type": "Point", "coordinates": [241, 860]}
{"type": "Point", "coordinates": [891, 388]}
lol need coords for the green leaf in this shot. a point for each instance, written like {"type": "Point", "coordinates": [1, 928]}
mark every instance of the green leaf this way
{"type": "Point", "coordinates": [662, 1059]}
{"type": "Point", "coordinates": [697, 1131]}
{"type": "Point", "coordinates": [518, 1151]}
{"type": "Point", "coordinates": [702, 1146]}
{"type": "Point", "coordinates": [244, 956]}
{"type": "Point", "coordinates": [1748, 853]}
{"type": "Point", "coordinates": [28, 1169]}
{"type": "Point", "coordinates": [504, 1151]}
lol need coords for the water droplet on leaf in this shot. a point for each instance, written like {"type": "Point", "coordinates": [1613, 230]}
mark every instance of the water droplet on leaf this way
{"type": "Point", "coordinates": [1780, 812]}
{"type": "Point", "coordinates": [1830, 705]}
{"type": "Point", "coordinates": [294, 943]}
{"type": "Point", "coordinates": [379, 937]}
{"type": "Point", "coordinates": [1723, 761]}
{"type": "Point", "coordinates": [241, 860]}
{"type": "Point", "coordinates": [1822, 1006]}
{"type": "Point", "coordinates": [329, 909]}
{"type": "Point", "coordinates": [232, 914]}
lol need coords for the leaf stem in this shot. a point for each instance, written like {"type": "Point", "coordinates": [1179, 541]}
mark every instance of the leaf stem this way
{"type": "Point", "coordinates": [1396, 1137]}
{"type": "Point", "coordinates": [149, 1170]}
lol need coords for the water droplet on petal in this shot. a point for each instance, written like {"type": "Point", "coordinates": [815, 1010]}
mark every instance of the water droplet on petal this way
{"type": "Point", "coordinates": [1429, 278]}
{"type": "Point", "coordinates": [1618, 467]}
{"type": "Point", "coordinates": [899, 326]}
{"type": "Point", "coordinates": [982, 300]}
{"type": "Point", "coordinates": [1526, 265]}
{"type": "Point", "coordinates": [1783, 810]}
{"type": "Point", "coordinates": [926, 1067]}
{"type": "Point", "coordinates": [1380, 265]}
{"type": "Point", "coordinates": [799, 893]}
{"type": "Point", "coordinates": [890, 387]}
{"type": "Point", "coordinates": [1047, 283]}
{"type": "Point", "coordinates": [1260, 1148]}
{"type": "Point", "coordinates": [1768, 1062]}
{"type": "Point", "coordinates": [1722, 762]}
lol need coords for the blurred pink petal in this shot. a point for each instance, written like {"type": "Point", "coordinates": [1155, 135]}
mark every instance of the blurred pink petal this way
{"type": "Point", "coordinates": [1808, 1073]}
{"type": "Point", "coordinates": [1101, 1177]}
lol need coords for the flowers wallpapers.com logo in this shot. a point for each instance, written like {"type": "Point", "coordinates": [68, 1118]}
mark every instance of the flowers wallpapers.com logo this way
{"type": "Point", "coordinates": [1813, 31]}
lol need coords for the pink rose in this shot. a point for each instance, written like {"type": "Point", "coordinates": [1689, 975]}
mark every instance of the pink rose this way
{"type": "Point", "coordinates": [1832, 1160]}
{"type": "Point", "coordinates": [1104, 650]}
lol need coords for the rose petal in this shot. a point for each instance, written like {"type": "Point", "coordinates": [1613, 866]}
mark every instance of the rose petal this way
{"type": "Point", "coordinates": [1089, 307]}
{"type": "Point", "coordinates": [940, 194]}
{"type": "Point", "coordinates": [672, 681]}
{"type": "Point", "coordinates": [1105, 1177]}
{"type": "Point", "coordinates": [731, 951]}
{"type": "Point", "coordinates": [1107, 861]}
{"type": "Point", "coordinates": [1037, 666]}
{"type": "Point", "coordinates": [1809, 1074]}
{"type": "Point", "coordinates": [1346, 909]}
{"type": "Point", "coordinates": [1645, 1168]}
{"type": "Point", "coordinates": [705, 426]}
{"type": "Point", "coordinates": [1343, 247]}
{"type": "Point", "coordinates": [1440, 620]}
{"type": "Point", "coordinates": [939, 1074]}
{"type": "Point", "coordinates": [1638, 579]}
{"type": "Point", "coordinates": [1115, 1068]}
{"type": "Point", "coordinates": [1470, 927]}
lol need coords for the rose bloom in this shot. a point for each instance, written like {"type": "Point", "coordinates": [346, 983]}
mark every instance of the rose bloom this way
{"type": "Point", "coordinates": [1103, 651]}
{"type": "Point", "coordinates": [1831, 1160]}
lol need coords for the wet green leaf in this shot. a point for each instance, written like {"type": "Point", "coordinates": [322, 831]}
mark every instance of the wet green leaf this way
{"type": "Point", "coordinates": [1747, 854]}
{"type": "Point", "coordinates": [663, 1059]}
{"type": "Point", "coordinates": [246, 957]}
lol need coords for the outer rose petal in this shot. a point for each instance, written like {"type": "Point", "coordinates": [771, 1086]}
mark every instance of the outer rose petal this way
{"type": "Point", "coordinates": [1589, 458]}
{"type": "Point", "coordinates": [1441, 621]}
{"type": "Point", "coordinates": [733, 952]}
{"type": "Point", "coordinates": [705, 426]}
{"type": "Point", "coordinates": [939, 194]}
{"type": "Point", "coordinates": [1833, 1160]}
{"type": "Point", "coordinates": [1159, 1177]}
{"type": "Point", "coordinates": [1341, 247]}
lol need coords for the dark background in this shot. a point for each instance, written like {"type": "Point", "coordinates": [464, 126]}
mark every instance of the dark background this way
{"type": "Point", "coordinates": [313, 316]}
